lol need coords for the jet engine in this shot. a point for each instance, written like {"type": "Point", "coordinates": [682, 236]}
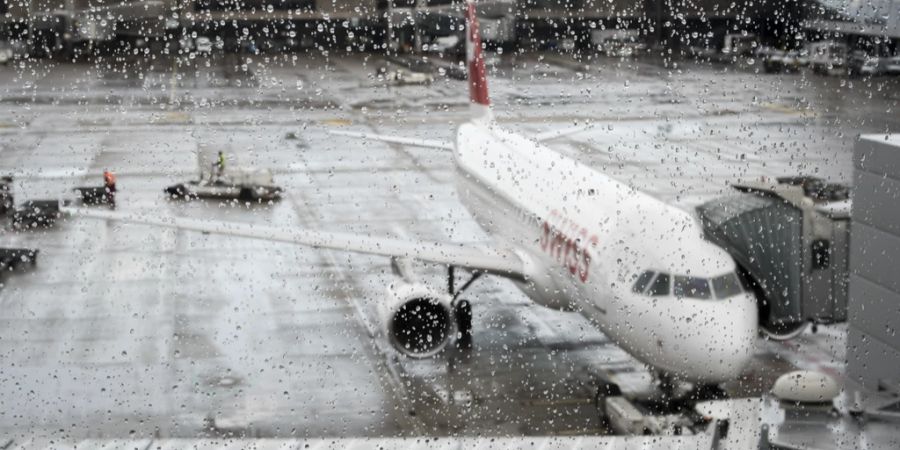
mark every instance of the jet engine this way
{"type": "Point", "coordinates": [418, 319]}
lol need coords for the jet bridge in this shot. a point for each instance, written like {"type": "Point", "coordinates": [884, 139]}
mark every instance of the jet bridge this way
{"type": "Point", "coordinates": [790, 237]}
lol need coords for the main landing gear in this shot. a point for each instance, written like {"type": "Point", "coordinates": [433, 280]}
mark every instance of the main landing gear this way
{"type": "Point", "coordinates": [462, 308]}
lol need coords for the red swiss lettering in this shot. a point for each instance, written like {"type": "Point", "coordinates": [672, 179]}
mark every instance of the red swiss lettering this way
{"type": "Point", "coordinates": [572, 254]}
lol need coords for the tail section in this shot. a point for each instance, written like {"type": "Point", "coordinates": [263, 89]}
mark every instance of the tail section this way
{"type": "Point", "coordinates": [478, 91]}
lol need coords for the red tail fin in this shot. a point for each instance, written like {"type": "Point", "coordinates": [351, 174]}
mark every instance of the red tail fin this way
{"type": "Point", "coordinates": [478, 92]}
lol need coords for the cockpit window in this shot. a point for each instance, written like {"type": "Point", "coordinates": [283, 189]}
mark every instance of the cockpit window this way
{"type": "Point", "coordinates": [660, 286]}
{"type": "Point", "coordinates": [642, 282]}
{"type": "Point", "coordinates": [692, 287]}
{"type": "Point", "coordinates": [727, 285]}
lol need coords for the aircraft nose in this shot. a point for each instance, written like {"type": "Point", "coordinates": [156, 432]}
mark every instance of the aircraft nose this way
{"type": "Point", "coordinates": [729, 340]}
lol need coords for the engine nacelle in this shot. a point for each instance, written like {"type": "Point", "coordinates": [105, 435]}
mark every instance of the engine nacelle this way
{"type": "Point", "coordinates": [418, 319]}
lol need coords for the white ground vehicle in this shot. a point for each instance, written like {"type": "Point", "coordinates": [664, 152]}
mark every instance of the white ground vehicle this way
{"type": "Point", "coordinates": [618, 42]}
{"type": "Point", "coordinates": [892, 65]}
{"type": "Point", "coordinates": [240, 183]}
{"type": "Point", "coordinates": [203, 45]}
{"type": "Point", "coordinates": [871, 66]}
{"type": "Point", "coordinates": [443, 43]}
{"type": "Point", "coordinates": [499, 29]}
{"type": "Point", "coordinates": [623, 48]}
{"type": "Point", "coordinates": [827, 57]}
{"type": "Point", "coordinates": [862, 64]}
{"type": "Point", "coordinates": [403, 77]}
{"type": "Point", "coordinates": [185, 45]}
{"type": "Point", "coordinates": [739, 44]}
{"type": "Point", "coordinates": [6, 54]}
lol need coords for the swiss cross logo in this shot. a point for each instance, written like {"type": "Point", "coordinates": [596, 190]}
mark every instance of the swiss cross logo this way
{"type": "Point", "coordinates": [569, 244]}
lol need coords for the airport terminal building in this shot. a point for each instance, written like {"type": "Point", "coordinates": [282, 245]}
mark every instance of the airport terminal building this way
{"type": "Point", "coordinates": [292, 25]}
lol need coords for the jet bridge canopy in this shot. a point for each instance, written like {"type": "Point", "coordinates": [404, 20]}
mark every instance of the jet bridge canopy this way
{"type": "Point", "coordinates": [763, 235]}
{"type": "Point", "coordinates": [791, 239]}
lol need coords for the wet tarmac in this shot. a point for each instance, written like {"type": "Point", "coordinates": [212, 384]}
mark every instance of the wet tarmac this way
{"type": "Point", "coordinates": [125, 331]}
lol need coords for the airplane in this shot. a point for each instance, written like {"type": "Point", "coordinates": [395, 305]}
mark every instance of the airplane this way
{"type": "Point", "coordinates": [570, 237]}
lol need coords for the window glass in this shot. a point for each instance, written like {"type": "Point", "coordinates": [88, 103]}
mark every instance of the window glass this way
{"type": "Point", "coordinates": [727, 285]}
{"type": "Point", "coordinates": [660, 286]}
{"type": "Point", "coordinates": [225, 219]}
{"type": "Point", "coordinates": [692, 287]}
{"type": "Point", "coordinates": [642, 281]}
{"type": "Point", "coordinates": [821, 254]}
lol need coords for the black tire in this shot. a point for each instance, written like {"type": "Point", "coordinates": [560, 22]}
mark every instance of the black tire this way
{"type": "Point", "coordinates": [707, 392]}
{"type": "Point", "coordinates": [177, 192]}
{"type": "Point", "coordinates": [248, 195]}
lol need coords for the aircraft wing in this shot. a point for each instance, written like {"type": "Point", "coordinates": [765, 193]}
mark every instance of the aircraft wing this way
{"type": "Point", "coordinates": [498, 262]}
{"type": "Point", "coordinates": [433, 143]}
{"type": "Point", "coordinates": [430, 143]}
{"type": "Point", "coordinates": [553, 134]}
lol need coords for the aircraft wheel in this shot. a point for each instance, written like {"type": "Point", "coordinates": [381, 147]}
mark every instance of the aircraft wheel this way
{"type": "Point", "coordinates": [705, 392]}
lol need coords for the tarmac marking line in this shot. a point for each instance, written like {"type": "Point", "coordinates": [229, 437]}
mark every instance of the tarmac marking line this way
{"type": "Point", "coordinates": [336, 122]}
{"type": "Point", "coordinates": [394, 376]}
{"type": "Point", "coordinates": [560, 402]}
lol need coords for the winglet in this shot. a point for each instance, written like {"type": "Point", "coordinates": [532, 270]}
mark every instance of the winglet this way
{"type": "Point", "coordinates": [478, 91]}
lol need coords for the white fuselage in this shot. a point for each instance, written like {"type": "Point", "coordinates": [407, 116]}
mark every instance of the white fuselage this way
{"type": "Point", "coordinates": [585, 238]}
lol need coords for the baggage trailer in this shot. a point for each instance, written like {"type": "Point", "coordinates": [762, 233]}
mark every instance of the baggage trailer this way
{"type": "Point", "coordinates": [36, 214]}
{"type": "Point", "coordinates": [92, 195]}
{"type": "Point", "coordinates": [12, 259]}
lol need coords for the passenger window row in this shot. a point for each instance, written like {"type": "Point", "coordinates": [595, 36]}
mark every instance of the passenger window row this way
{"type": "Point", "coordinates": [660, 284]}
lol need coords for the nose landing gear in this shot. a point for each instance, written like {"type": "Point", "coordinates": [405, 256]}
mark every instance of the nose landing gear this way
{"type": "Point", "coordinates": [673, 390]}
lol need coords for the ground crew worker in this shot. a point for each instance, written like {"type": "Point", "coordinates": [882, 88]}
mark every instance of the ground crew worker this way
{"type": "Point", "coordinates": [220, 165]}
{"type": "Point", "coordinates": [109, 184]}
